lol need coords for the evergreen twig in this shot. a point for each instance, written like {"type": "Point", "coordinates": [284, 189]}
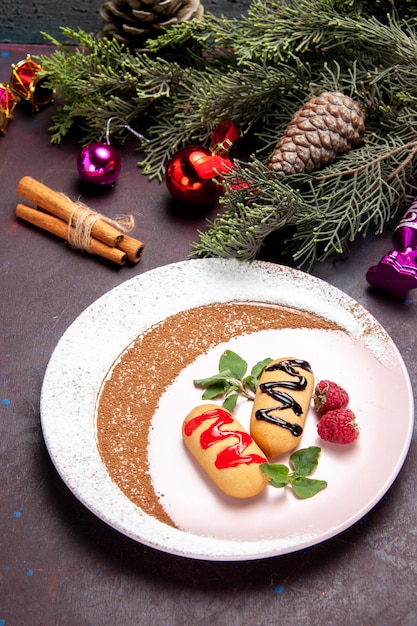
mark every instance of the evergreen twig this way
{"type": "Point", "coordinates": [256, 71]}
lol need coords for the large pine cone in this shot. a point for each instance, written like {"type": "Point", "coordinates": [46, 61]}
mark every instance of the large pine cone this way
{"type": "Point", "coordinates": [324, 127]}
{"type": "Point", "coordinates": [133, 21]}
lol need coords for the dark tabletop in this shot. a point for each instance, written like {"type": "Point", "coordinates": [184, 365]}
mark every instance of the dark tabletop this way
{"type": "Point", "coordinates": [59, 564]}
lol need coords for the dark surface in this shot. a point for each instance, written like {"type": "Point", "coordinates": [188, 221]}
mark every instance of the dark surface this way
{"type": "Point", "coordinates": [59, 564]}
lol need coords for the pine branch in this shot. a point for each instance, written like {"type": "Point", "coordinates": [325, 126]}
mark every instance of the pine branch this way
{"type": "Point", "coordinates": [280, 30]}
{"type": "Point", "coordinates": [192, 112]}
{"type": "Point", "coordinates": [326, 212]}
{"type": "Point", "coordinates": [256, 71]}
{"type": "Point", "coordinates": [252, 213]}
{"type": "Point", "coordinates": [102, 79]}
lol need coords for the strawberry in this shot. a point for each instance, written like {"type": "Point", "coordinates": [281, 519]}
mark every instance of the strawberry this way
{"type": "Point", "coordinates": [329, 396]}
{"type": "Point", "coordinates": [338, 426]}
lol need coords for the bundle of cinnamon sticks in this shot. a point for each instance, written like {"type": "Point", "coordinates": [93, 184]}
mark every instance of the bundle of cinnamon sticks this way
{"type": "Point", "coordinates": [79, 225]}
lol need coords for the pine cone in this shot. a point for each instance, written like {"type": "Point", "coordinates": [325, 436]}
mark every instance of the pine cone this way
{"type": "Point", "coordinates": [133, 21]}
{"type": "Point", "coordinates": [324, 127]}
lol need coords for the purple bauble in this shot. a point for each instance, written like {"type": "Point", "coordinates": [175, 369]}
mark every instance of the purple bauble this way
{"type": "Point", "coordinates": [99, 163]}
{"type": "Point", "coordinates": [405, 234]}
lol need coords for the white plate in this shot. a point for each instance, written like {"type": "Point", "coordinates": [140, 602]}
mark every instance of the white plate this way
{"type": "Point", "coordinates": [214, 528]}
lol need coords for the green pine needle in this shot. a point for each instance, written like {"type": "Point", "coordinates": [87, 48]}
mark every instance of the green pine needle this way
{"type": "Point", "coordinates": [256, 71]}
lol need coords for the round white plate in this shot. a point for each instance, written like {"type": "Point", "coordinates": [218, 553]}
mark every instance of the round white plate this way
{"type": "Point", "coordinates": [362, 357]}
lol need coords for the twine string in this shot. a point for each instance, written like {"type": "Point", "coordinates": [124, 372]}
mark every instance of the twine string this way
{"type": "Point", "coordinates": [122, 124]}
{"type": "Point", "coordinates": [81, 222]}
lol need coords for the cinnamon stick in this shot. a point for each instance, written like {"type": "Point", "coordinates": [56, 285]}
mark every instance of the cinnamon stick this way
{"type": "Point", "coordinates": [64, 208]}
{"type": "Point", "coordinates": [58, 227]}
{"type": "Point", "coordinates": [133, 248]}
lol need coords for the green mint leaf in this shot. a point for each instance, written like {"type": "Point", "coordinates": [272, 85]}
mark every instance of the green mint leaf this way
{"type": "Point", "coordinates": [211, 380]}
{"type": "Point", "coordinates": [250, 382]}
{"type": "Point", "coordinates": [214, 391]}
{"type": "Point", "coordinates": [234, 363]}
{"type": "Point", "coordinates": [278, 474]}
{"type": "Point", "coordinates": [306, 487]}
{"type": "Point", "coordinates": [231, 378]}
{"type": "Point", "coordinates": [304, 461]}
{"type": "Point", "coordinates": [230, 402]}
{"type": "Point", "coordinates": [257, 369]}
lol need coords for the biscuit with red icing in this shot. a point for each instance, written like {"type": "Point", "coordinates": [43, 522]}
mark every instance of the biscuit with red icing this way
{"type": "Point", "coordinates": [225, 450]}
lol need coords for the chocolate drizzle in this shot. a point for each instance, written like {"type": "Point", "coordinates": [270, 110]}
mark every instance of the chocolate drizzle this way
{"type": "Point", "coordinates": [286, 401]}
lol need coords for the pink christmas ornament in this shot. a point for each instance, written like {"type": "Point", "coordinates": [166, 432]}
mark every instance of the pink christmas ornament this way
{"type": "Point", "coordinates": [99, 163]}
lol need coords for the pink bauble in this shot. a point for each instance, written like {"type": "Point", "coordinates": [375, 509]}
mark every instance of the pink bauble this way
{"type": "Point", "coordinates": [99, 163]}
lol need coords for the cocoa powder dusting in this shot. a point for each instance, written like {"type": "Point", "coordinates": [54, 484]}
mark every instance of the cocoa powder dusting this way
{"type": "Point", "coordinates": [131, 391]}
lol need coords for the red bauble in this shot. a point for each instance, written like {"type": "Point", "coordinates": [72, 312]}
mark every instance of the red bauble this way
{"type": "Point", "coordinates": [190, 176]}
{"type": "Point", "coordinates": [99, 163]}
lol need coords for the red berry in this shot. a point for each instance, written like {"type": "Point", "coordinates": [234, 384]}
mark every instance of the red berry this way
{"type": "Point", "coordinates": [338, 426]}
{"type": "Point", "coordinates": [329, 396]}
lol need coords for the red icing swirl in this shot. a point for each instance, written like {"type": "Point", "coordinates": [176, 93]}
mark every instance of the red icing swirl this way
{"type": "Point", "coordinates": [232, 455]}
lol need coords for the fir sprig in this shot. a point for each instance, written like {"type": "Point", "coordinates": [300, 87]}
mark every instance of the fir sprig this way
{"type": "Point", "coordinates": [321, 213]}
{"type": "Point", "coordinates": [253, 212]}
{"type": "Point", "coordinates": [101, 79]}
{"type": "Point", "coordinates": [256, 71]}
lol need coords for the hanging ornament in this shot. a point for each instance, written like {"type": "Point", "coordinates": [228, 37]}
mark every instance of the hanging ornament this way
{"type": "Point", "coordinates": [28, 82]}
{"type": "Point", "coordinates": [184, 180]}
{"type": "Point", "coordinates": [8, 101]}
{"type": "Point", "coordinates": [396, 272]}
{"type": "Point", "coordinates": [99, 162]}
{"type": "Point", "coordinates": [193, 174]}
{"type": "Point", "coordinates": [322, 128]}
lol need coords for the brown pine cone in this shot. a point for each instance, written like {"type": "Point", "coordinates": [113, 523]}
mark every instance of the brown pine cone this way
{"type": "Point", "coordinates": [324, 127]}
{"type": "Point", "coordinates": [133, 21]}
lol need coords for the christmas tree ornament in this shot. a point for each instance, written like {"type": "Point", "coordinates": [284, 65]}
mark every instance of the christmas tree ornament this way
{"type": "Point", "coordinates": [193, 174]}
{"type": "Point", "coordinates": [133, 21]}
{"type": "Point", "coordinates": [223, 137]}
{"type": "Point", "coordinates": [325, 126]}
{"type": "Point", "coordinates": [99, 162]}
{"type": "Point", "coordinates": [184, 178]}
{"type": "Point", "coordinates": [396, 272]}
{"type": "Point", "coordinates": [404, 236]}
{"type": "Point", "coordinates": [8, 101]}
{"type": "Point", "coordinates": [27, 80]}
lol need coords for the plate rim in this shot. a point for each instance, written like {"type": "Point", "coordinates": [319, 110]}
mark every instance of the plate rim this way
{"type": "Point", "coordinates": [171, 540]}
